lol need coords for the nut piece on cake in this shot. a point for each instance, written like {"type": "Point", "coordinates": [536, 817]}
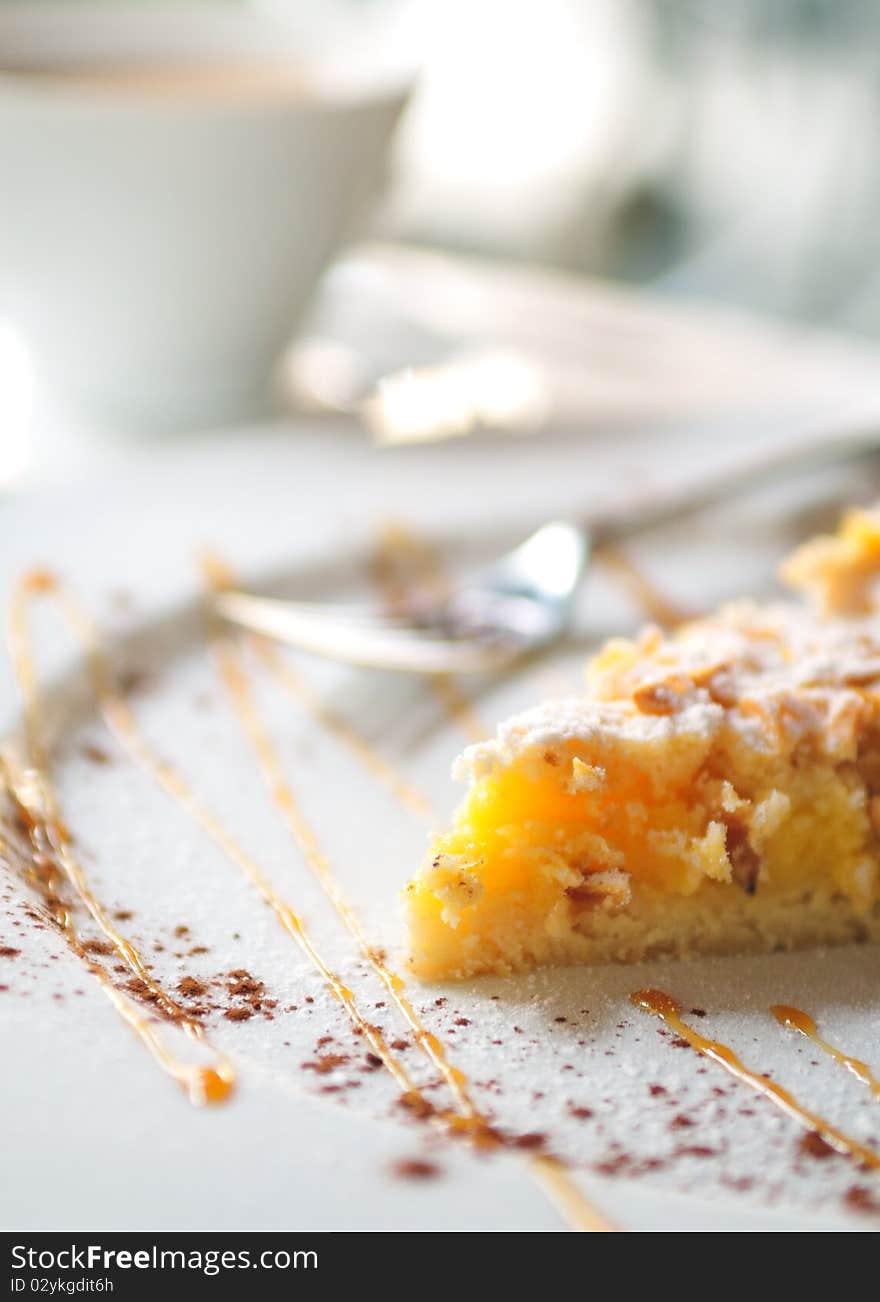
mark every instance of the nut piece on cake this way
{"type": "Point", "coordinates": [715, 791]}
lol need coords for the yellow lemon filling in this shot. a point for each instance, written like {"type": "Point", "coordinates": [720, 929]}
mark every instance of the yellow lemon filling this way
{"type": "Point", "coordinates": [714, 791]}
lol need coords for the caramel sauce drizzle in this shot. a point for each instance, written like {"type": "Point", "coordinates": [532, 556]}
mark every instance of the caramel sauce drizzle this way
{"type": "Point", "coordinates": [235, 680]}
{"type": "Point", "coordinates": [202, 1084]}
{"type": "Point", "coordinates": [662, 1005]}
{"type": "Point", "coordinates": [296, 686]}
{"type": "Point", "coordinates": [402, 559]}
{"type": "Point", "coordinates": [458, 707]}
{"type": "Point", "coordinates": [470, 1122]}
{"type": "Point", "coordinates": [211, 1085]}
{"type": "Point", "coordinates": [798, 1020]}
{"type": "Point", "coordinates": [642, 590]}
{"type": "Point", "coordinates": [568, 1200]}
{"type": "Point", "coordinates": [121, 721]}
{"type": "Point", "coordinates": [30, 789]}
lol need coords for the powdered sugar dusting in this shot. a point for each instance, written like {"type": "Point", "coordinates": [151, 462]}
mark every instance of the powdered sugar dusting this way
{"type": "Point", "coordinates": [774, 677]}
{"type": "Point", "coordinates": [582, 719]}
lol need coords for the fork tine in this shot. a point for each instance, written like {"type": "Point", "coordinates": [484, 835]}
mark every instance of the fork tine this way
{"type": "Point", "coordinates": [379, 645]}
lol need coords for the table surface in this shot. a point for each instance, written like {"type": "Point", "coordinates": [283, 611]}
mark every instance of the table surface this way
{"type": "Point", "coordinates": [117, 513]}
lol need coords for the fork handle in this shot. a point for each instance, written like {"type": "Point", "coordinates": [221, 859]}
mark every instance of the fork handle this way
{"type": "Point", "coordinates": [639, 514]}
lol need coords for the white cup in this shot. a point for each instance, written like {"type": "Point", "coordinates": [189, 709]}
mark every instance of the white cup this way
{"type": "Point", "coordinates": [158, 245]}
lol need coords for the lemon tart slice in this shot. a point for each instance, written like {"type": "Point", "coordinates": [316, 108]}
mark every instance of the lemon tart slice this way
{"type": "Point", "coordinates": [713, 791]}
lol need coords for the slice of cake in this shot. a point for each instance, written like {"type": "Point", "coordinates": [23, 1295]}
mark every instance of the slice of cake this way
{"type": "Point", "coordinates": [714, 791]}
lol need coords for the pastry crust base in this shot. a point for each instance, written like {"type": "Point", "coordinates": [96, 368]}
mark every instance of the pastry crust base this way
{"type": "Point", "coordinates": [655, 925]}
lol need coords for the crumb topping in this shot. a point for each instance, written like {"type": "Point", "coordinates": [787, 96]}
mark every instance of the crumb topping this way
{"type": "Point", "coordinates": [775, 677]}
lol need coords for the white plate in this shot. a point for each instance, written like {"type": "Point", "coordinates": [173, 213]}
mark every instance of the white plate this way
{"type": "Point", "coordinates": [97, 1137]}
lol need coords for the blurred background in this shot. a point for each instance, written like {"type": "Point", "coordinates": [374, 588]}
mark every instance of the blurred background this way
{"type": "Point", "coordinates": [718, 152]}
{"type": "Point", "coordinates": [726, 148]}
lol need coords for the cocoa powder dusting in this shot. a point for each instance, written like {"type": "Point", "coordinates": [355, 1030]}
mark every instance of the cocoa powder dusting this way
{"type": "Point", "coordinates": [859, 1198]}
{"type": "Point", "coordinates": [138, 987]}
{"type": "Point", "coordinates": [325, 1063]}
{"type": "Point", "coordinates": [98, 947]}
{"type": "Point", "coordinates": [812, 1144]}
{"type": "Point", "coordinates": [532, 1139]}
{"type": "Point", "coordinates": [413, 1168]}
{"type": "Point", "coordinates": [416, 1105]}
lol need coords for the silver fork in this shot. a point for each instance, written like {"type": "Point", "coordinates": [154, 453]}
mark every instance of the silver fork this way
{"type": "Point", "coordinates": [523, 600]}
